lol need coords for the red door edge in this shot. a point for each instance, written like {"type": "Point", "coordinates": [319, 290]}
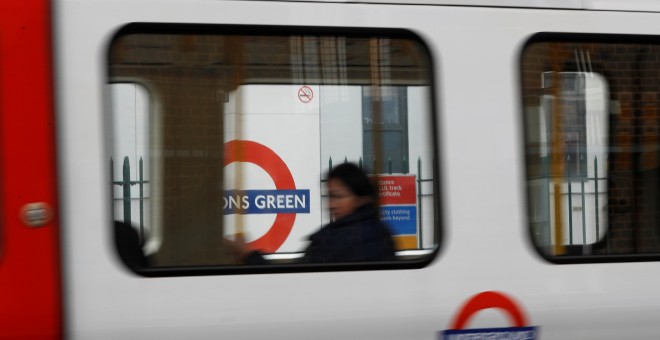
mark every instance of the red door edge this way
{"type": "Point", "coordinates": [30, 278]}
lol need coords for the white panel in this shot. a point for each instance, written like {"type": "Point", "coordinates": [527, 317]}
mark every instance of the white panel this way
{"type": "Point", "coordinates": [285, 119]}
{"type": "Point", "coordinates": [485, 245]}
{"type": "Point", "coordinates": [341, 125]}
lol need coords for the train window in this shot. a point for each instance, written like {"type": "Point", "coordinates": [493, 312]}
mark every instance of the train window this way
{"type": "Point", "coordinates": [227, 134]}
{"type": "Point", "coordinates": [592, 146]}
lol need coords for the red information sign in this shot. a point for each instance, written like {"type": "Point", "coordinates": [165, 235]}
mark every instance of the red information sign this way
{"type": "Point", "coordinates": [399, 189]}
{"type": "Point", "coordinates": [398, 208]}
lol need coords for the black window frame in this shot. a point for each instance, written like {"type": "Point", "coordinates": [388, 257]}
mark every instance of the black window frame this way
{"type": "Point", "coordinates": [573, 254]}
{"type": "Point", "coordinates": [261, 30]}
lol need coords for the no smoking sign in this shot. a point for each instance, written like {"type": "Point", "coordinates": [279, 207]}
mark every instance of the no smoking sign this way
{"type": "Point", "coordinates": [305, 94]}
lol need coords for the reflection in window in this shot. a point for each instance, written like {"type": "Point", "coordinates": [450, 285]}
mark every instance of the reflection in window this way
{"type": "Point", "coordinates": [385, 126]}
{"type": "Point", "coordinates": [592, 143]}
{"type": "Point", "coordinates": [130, 161]}
{"type": "Point", "coordinates": [242, 128]}
{"type": "Point", "coordinates": [573, 125]}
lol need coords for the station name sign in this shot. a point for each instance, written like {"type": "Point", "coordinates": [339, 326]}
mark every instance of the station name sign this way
{"type": "Point", "coordinates": [265, 201]}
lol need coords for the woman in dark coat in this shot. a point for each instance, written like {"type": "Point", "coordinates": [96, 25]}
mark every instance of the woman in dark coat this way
{"type": "Point", "coordinates": [356, 233]}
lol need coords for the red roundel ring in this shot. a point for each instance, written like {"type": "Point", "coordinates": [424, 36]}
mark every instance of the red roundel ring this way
{"type": "Point", "coordinates": [269, 161]}
{"type": "Point", "coordinates": [486, 300]}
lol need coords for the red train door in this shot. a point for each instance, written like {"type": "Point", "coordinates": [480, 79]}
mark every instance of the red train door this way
{"type": "Point", "coordinates": [30, 288]}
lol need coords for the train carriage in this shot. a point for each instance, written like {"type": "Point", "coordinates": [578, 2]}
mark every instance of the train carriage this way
{"type": "Point", "coordinates": [513, 145]}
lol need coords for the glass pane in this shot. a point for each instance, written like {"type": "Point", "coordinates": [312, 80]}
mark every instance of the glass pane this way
{"type": "Point", "coordinates": [238, 130]}
{"type": "Point", "coordinates": [592, 147]}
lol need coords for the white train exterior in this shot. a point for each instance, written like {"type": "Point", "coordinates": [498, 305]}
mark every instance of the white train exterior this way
{"type": "Point", "coordinates": [468, 122]}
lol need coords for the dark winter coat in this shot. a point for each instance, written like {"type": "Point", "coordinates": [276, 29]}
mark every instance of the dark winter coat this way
{"type": "Point", "coordinates": [358, 237]}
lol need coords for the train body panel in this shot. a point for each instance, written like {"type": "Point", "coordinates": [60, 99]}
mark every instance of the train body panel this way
{"type": "Point", "coordinates": [486, 246]}
{"type": "Point", "coordinates": [475, 53]}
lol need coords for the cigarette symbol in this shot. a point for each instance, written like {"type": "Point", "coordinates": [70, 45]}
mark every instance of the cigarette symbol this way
{"type": "Point", "coordinates": [305, 94]}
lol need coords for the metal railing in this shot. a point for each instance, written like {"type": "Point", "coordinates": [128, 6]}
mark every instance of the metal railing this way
{"type": "Point", "coordinates": [582, 187]}
{"type": "Point", "coordinates": [126, 184]}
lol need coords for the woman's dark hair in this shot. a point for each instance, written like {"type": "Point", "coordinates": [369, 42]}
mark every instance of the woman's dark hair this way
{"type": "Point", "coordinates": [354, 178]}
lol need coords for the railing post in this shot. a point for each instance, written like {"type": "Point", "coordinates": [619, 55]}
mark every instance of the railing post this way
{"type": "Point", "coordinates": [126, 182]}
{"type": "Point", "coordinates": [141, 202]}
{"type": "Point", "coordinates": [389, 165]}
{"type": "Point", "coordinates": [596, 196]}
{"type": "Point", "coordinates": [584, 214]}
{"type": "Point", "coordinates": [404, 165]}
{"type": "Point", "coordinates": [112, 187]}
{"type": "Point", "coordinates": [420, 244]}
{"type": "Point", "coordinates": [570, 203]}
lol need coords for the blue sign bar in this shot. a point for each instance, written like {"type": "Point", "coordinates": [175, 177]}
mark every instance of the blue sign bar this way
{"type": "Point", "coordinates": [266, 202]}
{"type": "Point", "coordinates": [506, 333]}
{"type": "Point", "coordinates": [402, 219]}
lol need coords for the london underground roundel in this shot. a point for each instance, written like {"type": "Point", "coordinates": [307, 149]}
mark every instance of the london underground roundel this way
{"type": "Point", "coordinates": [486, 300]}
{"type": "Point", "coordinates": [285, 201]}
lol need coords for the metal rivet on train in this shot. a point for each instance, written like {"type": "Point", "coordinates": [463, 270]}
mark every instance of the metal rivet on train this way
{"type": "Point", "coordinates": [36, 214]}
